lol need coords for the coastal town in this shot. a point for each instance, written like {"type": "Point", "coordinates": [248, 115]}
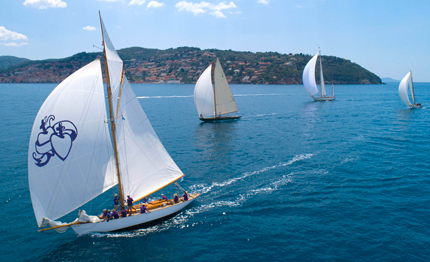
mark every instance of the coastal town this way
{"type": "Point", "coordinates": [185, 65]}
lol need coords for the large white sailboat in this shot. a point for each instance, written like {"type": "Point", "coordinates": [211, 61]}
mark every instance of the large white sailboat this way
{"type": "Point", "coordinates": [310, 83]}
{"type": "Point", "coordinates": [404, 91]}
{"type": "Point", "coordinates": [73, 157]}
{"type": "Point", "coordinates": [215, 101]}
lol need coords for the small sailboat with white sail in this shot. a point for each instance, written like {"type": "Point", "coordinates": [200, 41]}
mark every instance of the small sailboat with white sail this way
{"type": "Point", "coordinates": [310, 84]}
{"type": "Point", "coordinates": [212, 95]}
{"type": "Point", "coordinates": [73, 157]}
{"type": "Point", "coordinates": [406, 86]}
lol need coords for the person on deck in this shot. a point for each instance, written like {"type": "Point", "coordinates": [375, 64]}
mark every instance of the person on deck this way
{"type": "Point", "coordinates": [185, 196]}
{"type": "Point", "coordinates": [176, 198]}
{"type": "Point", "coordinates": [164, 197]}
{"type": "Point", "coordinates": [103, 216]}
{"type": "Point", "coordinates": [114, 214]}
{"type": "Point", "coordinates": [145, 200]}
{"type": "Point", "coordinates": [108, 216]}
{"type": "Point", "coordinates": [129, 204]}
{"type": "Point", "coordinates": [123, 213]}
{"type": "Point", "coordinates": [115, 201]}
{"type": "Point", "coordinates": [144, 209]}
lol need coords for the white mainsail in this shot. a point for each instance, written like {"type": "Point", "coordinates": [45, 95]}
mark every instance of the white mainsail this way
{"type": "Point", "coordinates": [309, 76]}
{"type": "Point", "coordinates": [204, 94]}
{"type": "Point", "coordinates": [70, 158]}
{"type": "Point", "coordinates": [224, 99]}
{"type": "Point", "coordinates": [404, 90]}
{"type": "Point", "coordinates": [115, 65]}
{"type": "Point", "coordinates": [322, 84]}
{"type": "Point", "coordinates": [145, 164]}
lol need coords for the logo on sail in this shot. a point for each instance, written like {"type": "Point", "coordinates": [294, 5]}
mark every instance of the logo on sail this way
{"type": "Point", "coordinates": [55, 139]}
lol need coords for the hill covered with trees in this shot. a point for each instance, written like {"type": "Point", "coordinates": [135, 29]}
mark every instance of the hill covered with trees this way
{"type": "Point", "coordinates": [185, 64]}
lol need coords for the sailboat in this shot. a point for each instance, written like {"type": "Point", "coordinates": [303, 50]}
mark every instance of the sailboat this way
{"type": "Point", "coordinates": [310, 83]}
{"type": "Point", "coordinates": [214, 102]}
{"type": "Point", "coordinates": [73, 157]}
{"type": "Point", "coordinates": [404, 93]}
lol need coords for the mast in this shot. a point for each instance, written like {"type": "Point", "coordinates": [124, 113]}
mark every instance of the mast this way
{"type": "Point", "coordinates": [112, 120]}
{"type": "Point", "coordinates": [412, 88]}
{"type": "Point", "coordinates": [322, 87]}
{"type": "Point", "coordinates": [213, 77]}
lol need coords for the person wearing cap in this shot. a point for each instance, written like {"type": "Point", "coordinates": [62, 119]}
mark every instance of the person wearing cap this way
{"type": "Point", "coordinates": [114, 214]}
{"type": "Point", "coordinates": [115, 201]}
{"type": "Point", "coordinates": [176, 198]}
{"type": "Point", "coordinates": [123, 212]}
{"type": "Point", "coordinates": [164, 197]}
{"type": "Point", "coordinates": [129, 204]}
{"type": "Point", "coordinates": [185, 196]}
{"type": "Point", "coordinates": [103, 216]}
{"type": "Point", "coordinates": [144, 209]}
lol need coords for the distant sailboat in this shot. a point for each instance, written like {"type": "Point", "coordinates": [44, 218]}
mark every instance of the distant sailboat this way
{"type": "Point", "coordinates": [73, 157]}
{"type": "Point", "coordinates": [310, 83]}
{"type": "Point", "coordinates": [214, 101]}
{"type": "Point", "coordinates": [404, 93]}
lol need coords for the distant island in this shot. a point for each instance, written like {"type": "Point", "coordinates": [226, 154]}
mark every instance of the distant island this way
{"type": "Point", "coordinates": [185, 64]}
{"type": "Point", "coordinates": [389, 80]}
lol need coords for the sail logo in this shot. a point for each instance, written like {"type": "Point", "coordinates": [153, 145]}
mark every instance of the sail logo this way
{"type": "Point", "coordinates": [55, 139]}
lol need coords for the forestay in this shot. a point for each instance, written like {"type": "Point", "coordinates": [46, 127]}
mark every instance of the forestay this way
{"type": "Point", "coordinates": [404, 90]}
{"type": "Point", "coordinates": [224, 98]}
{"type": "Point", "coordinates": [204, 94]}
{"type": "Point", "coordinates": [144, 162]}
{"type": "Point", "coordinates": [115, 65]}
{"type": "Point", "coordinates": [309, 76]}
{"type": "Point", "coordinates": [70, 159]}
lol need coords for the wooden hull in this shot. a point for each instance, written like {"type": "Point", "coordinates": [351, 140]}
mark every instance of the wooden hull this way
{"type": "Point", "coordinates": [415, 106]}
{"type": "Point", "coordinates": [327, 98]}
{"type": "Point", "coordinates": [135, 221]}
{"type": "Point", "coordinates": [222, 118]}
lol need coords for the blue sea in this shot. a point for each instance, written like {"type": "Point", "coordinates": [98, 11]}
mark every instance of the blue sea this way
{"type": "Point", "coordinates": [292, 180]}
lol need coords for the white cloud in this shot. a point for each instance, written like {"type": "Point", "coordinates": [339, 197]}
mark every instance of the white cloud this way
{"type": "Point", "coordinates": [154, 4]}
{"type": "Point", "coordinates": [89, 28]}
{"type": "Point", "coordinates": [203, 7]}
{"type": "Point", "coordinates": [298, 6]}
{"type": "Point", "coordinates": [107, 0]}
{"type": "Point", "coordinates": [264, 2]}
{"type": "Point", "coordinates": [15, 44]}
{"type": "Point", "coordinates": [218, 14]}
{"type": "Point", "coordinates": [6, 35]}
{"type": "Point", "coordinates": [45, 4]}
{"type": "Point", "coordinates": [137, 2]}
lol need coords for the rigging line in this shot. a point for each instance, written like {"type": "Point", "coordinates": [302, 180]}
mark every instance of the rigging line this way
{"type": "Point", "coordinates": [81, 121]}
{"type": "Point", "coordinates": [56, 187]}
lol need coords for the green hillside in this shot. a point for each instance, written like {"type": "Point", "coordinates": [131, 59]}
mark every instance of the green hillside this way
{"type": "Point", "coordinates": [143, 65]}
{"type": "Point", "coordinates": [6, 61]}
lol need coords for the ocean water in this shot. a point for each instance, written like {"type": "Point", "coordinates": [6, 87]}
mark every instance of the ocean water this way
{"type": "Point", "coordinates": [293, 179]}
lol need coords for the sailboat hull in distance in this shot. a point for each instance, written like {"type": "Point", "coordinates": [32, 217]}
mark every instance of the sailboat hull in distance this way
{"type": "Point", "coordinates": [322, 99]}
{"type": "Point", "coordinates": [220, 118]}
{"type": "Point", "coordinates": [135, 221]}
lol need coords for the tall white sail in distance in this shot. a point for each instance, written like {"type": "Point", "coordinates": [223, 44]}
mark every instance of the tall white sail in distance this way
{"type": "Point", "coordinates": [412, 88]}
{"type": "Point", "coordinates": [76, 164]}
{"type": "Point", "coordinates": [322, 84]}
{"type": "Point", "coordinates": [224, 99]}
{"type": "Point", "coordinates": [204, 94]}
{"type": "Point", "coordinates": [309, 76]}
{"type": "Point", "coordinates": [145, 164]}
{"type": "Point", "coordinates": [115, 65]}
{"type": "Point", "coordinates": [404, 89]}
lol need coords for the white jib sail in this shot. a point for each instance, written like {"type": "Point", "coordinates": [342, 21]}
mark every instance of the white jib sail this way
{"type": "Point", "coordinates": [322, 84]}
{"type": "Point", "coordinates": [144, 162]}
{"type": "Point", "coordinates": [204, 94]}
{"type": "Point", "coordinates": [115, 65]}
{"type": "Point", "coordinates": [225, 103]}
{"type": "Point", "coordinates": [309, 76]}
{"type": "Point", "coordinates": [404, 90]}
{"type": "Point", "coordinates": [70, 158]}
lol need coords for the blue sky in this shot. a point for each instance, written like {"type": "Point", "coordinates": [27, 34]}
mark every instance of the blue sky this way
{"type": "Point", "coordinates": [388, 38]}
